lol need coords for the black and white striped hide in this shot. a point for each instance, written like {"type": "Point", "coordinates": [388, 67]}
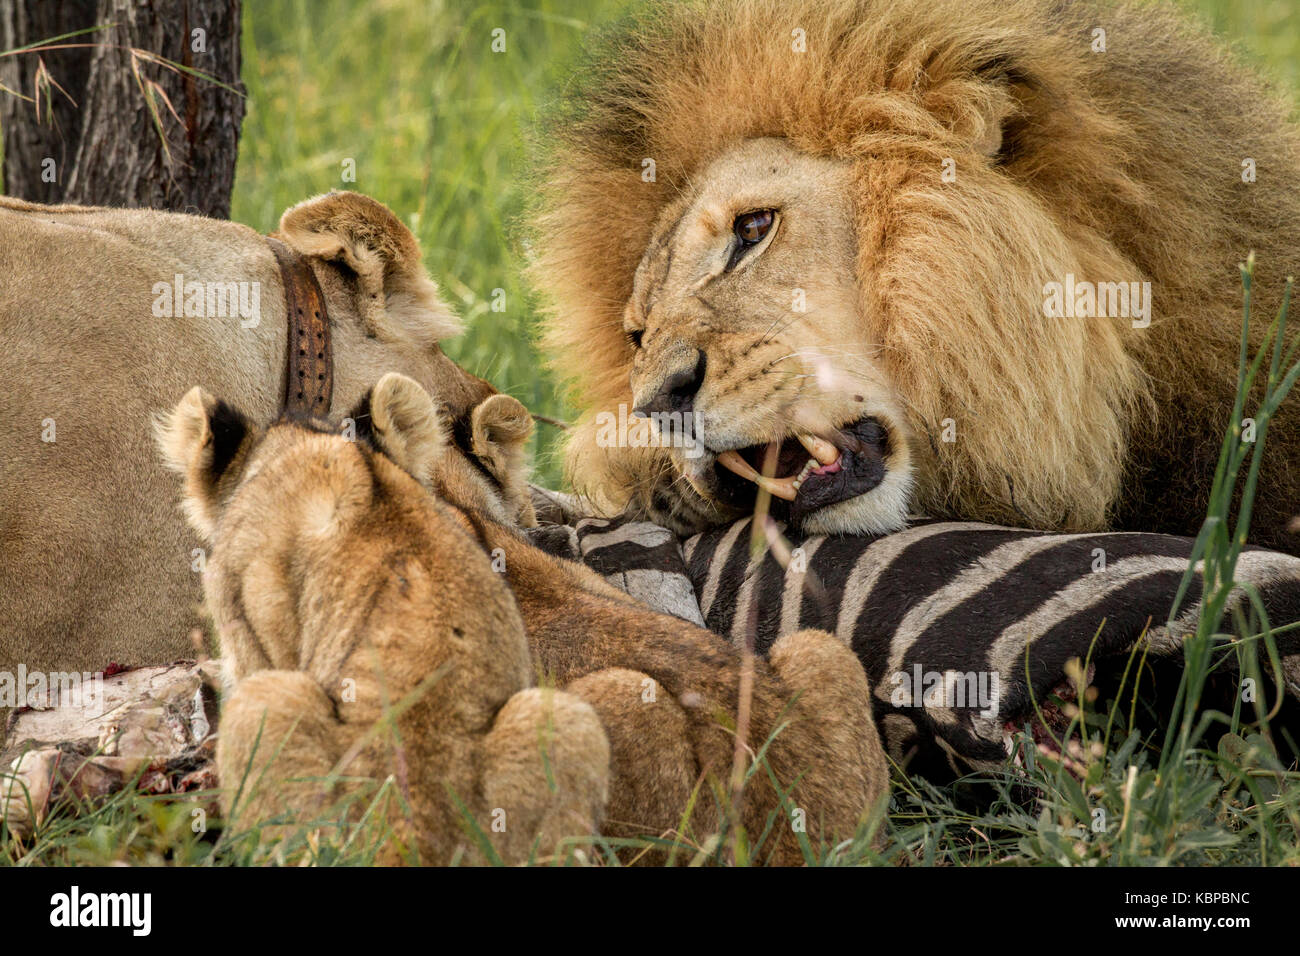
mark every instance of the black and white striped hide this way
{"type": "Point", "coordinates": [960, 626]}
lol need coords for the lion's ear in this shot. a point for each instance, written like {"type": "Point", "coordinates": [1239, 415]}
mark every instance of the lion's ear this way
{"type": "Point", "coordinates": [989, 140]}
{"type": "Point", "coordinates": [398, 300]}
{"type": "Point", "coordinates": [1002, 105]}
{"type": "Point", "coordinates": [500, 427]}
{"type": "Point", "coordinates": [205, 440]}
{"type": "Point", "coordinates": [405, 425]}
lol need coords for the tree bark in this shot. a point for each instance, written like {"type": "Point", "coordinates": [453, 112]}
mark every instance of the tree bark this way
{"type": "Point", "coordinates": [28, 143]}
{"type": "Point", "coordinates": [109, 150]}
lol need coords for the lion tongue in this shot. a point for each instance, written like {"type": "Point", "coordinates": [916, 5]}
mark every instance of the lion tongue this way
{"type": "Point", "coordinates": [776, 487]}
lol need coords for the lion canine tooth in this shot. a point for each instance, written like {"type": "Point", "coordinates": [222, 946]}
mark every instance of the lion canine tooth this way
{"type": "Point", "coordinates": [819, 448]}
{"type": "Point", "coordinates": [777, 488]}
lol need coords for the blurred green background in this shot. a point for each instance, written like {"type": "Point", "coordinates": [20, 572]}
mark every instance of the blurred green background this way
{"type": "Point", "coordinates": [437, 125]}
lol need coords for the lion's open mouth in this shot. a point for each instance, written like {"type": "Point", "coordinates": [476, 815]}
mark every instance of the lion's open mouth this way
{"type": "Point", "coordinates": [804, 473]}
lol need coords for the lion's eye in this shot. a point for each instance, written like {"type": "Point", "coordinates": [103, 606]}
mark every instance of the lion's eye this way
{"type": "Point", "coordinates": [751, 227]}
{"type": "Point", "coordinates": [634, 336]}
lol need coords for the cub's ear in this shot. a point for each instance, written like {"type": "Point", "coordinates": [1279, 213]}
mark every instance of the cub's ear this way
{"type": "Point", "coordinates": [499, 430]}
{"type": "Point", "coordinates": [206, 441]}
{"type": "Point", "coordinates": [405, 425]}
{"type": "Point", "coordinates": [398, 301]}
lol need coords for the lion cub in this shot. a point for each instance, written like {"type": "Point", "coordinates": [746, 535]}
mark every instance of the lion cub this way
{"type": "Point", "coordinates": [672, 695]}
{"type": "Point", "coordinates": [369, 638]}
{"type": "Point", "coordinates": [334, 571]}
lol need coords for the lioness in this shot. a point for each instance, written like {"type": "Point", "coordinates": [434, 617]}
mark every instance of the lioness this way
{"type": "Point", "coordinates": [340, 587]}
{"type": "Point", "coordinates": [107, 316]}
{"type": "Point", "coordinates": [969, 258]}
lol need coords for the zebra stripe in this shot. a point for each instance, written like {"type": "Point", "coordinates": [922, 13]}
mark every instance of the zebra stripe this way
{"type": "Point", "coordinates": [721, 563]}
{"type": "Point", "coordinates": [963, 598]}
{"type": "Point", "coordinates": [792, 591]}
{"type": "Point", "coordinates": [953, 599]}
{"type": "Point", "coordinates": [878, 556]}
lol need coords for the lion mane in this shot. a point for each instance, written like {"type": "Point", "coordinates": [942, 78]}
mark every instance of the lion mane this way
{"type": "Point", "coordinates": [1117, 161]}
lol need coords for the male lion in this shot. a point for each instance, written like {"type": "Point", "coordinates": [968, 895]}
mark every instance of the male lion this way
{"type": "Point", "coordinates": [96, 563]}
{"type": "Point", "coordinates": [341, 587]}
{"type": "Point", "coordinates": [968, 258]}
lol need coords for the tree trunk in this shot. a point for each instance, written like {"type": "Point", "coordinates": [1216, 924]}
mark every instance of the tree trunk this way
{"type": "Point", "coordinates": [108, 150]}
{"type": "Point", "coordinates": [28, 144]}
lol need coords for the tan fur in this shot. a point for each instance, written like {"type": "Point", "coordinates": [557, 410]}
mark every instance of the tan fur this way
{"type": "Point", "coordinates": [397, 297]}
{"type": "Point", "coordinates": [331, 564]}
{"type": "Point", "coordinates": [669, 696]}
{"type": "Point", "coordinates": [368, 639]}
{"type": "Point", "coordinates": [96, 560]}
{"type": "Point", "coordinates": [668, 693]}
{"type": "Point", "coordinates": [499, 431]}
{"type": "Point", "coordinates": [925, 297]}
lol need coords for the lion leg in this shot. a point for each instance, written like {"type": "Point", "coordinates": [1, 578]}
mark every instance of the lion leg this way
{"type": "Point", "coordinates": [278, 740]}
{"type": "Point", "coordinates": [833, 744]}
{"type": "Point", "coordinates": [653, 764]}
{"type": "Point", "coordinates": [546, 773]}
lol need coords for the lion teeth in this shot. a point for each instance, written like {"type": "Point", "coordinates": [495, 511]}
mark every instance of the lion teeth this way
{"type": "Point", "coordinates": [819, 448]}
{"type": "Point", "coordinates": [779, 487]}
{"type": "Point", "coordinates": [776, 487]}
{"type": "Point", "coordinates": [732, 461]}
{"type": "Point", "coordinates": [800, 478]}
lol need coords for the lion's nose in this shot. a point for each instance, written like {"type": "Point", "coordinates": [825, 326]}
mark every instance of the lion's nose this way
{"type": "Point", "coordinates": [676, 393]}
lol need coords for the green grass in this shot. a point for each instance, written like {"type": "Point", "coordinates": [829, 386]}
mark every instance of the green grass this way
{"type": "Point", "coordinates": [1266, 33]}
{"type": "Point", "coordinates": [437, 125]}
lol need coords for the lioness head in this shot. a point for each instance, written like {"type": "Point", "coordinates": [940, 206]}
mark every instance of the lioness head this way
{"type": "Point", "coordinates": [810, 241]}
{"type": "Point", "coordinates": [306, 507]}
